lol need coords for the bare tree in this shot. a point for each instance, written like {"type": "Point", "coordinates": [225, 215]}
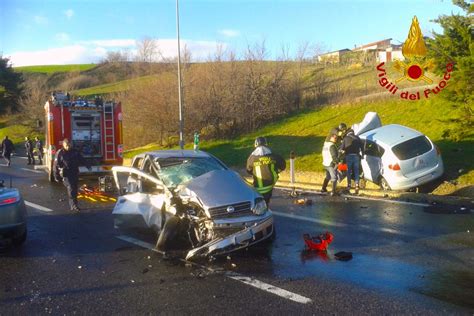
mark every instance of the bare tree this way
{"type": "Point", "coordinates": [147, 50]}
{"type": "Point", "coordinates": [34, 96]}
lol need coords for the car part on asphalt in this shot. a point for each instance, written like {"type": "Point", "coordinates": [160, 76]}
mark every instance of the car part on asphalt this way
{"type": "Point", "coordinates": [318, 243]}
{"type": "Point", "coordinates": [343, 256]}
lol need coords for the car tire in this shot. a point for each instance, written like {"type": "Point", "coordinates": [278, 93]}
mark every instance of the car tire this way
{"type": "Point", "coordinates": [167, 237]}
{"type": "Point", "coordinates": [384, 184]}
{"type": "Point", "coordinates": [20, 240]}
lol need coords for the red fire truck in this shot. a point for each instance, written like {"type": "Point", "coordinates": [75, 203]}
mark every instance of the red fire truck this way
{"type": "Point", "coordinates": [93, 126]}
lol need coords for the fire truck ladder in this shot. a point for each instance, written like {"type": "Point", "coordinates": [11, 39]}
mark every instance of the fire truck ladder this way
{"type": "Point", "coordinates": [109, 131]}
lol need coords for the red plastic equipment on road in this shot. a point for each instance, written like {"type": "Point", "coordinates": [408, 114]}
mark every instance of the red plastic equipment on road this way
{"type": "Point", "coordinates": [318, 243]}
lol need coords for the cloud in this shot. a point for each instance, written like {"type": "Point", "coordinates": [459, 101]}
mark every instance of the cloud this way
{"type": "Point", "coordinates": [74, 54]}
{"type": "Point", "coordinates": [62, 37]}
{"type": "Point", "coordinates": [229, 33]}
{"type": "Point", "coordinates": [39, 19]}
{"type": "Point", "coordinates": [69, 13]}
{"type": "Point", "coordinates": [111, 43]}
{"type": "Point", "coordinates": [94, 51]}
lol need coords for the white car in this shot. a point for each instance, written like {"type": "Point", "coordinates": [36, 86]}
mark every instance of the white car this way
{"type": "Point", "coordinates": [397, 157]}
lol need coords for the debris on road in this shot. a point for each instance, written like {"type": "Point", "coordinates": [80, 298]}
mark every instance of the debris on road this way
{"type": "Point", "coordinates": [343, 256]}
{"type": "Point", "coordinates": [94, 194]}
{"type": "Point", "coordinates": [318, 243]}
{"type": "Point", "coordinates": [303, 201]}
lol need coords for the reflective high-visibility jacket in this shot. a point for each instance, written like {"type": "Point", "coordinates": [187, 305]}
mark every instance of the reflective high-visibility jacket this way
{"type": "Point", "coordinates": [329, 154]}
{"type": "Point", "coordinates": [265, 166]}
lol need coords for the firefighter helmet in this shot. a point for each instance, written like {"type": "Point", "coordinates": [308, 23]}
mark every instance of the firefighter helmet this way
{"type": "Point", "coordinates": [260, 141]}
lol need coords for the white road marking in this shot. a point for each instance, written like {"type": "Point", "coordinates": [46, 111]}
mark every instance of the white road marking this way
{"type": "Point", "coordinates": [360, 197]}
{"type": "Point", "coordinates": [269, 288]}
{"type": "Point", "coordinates": [234, 276]}
{"type": "Point", "coordinates": [310, 219]}
{"type": "Point", "coordinates": [38, 207]}
{"type": "Point", "coordinates": [336, 224]}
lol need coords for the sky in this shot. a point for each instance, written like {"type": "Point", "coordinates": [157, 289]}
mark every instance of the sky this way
{"type": "Point", "coordinates": [44, 32]}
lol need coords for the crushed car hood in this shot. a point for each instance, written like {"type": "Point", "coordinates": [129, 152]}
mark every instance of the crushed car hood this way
{"type": "Point", "coordinates": [371, 121]}
{"type": "Point", "coordinates": [217, 188]}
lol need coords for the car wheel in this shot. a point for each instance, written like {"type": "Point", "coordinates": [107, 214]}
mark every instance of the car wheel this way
{"type": "Point", "coordinates": [167, 237]}
{"type": "Point", "coordinates": [20, 240]}
{"type": "Point", "coordinates": [384, 184]}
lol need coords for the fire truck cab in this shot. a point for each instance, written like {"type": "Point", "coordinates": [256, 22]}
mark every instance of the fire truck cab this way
{"type": "Point", "coordinates": [93, 126]}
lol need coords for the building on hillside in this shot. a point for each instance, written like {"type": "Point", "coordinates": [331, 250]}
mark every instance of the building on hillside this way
{"type": "Point", "coordinates": [333, 57]}
{"type": "Point", "coordinates": [375, 46]}
{"type": "Point", "coordinates": [390, 53]}
{"type": "Point", "coordinates": [381, 51]}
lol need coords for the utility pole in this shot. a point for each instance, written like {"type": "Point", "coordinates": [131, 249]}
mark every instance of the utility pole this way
{"type": "Point", "coordinates": [181, 119]}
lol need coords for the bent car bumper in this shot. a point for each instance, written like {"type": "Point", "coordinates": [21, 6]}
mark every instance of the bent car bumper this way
{"type": "Point", "coordinates": [247, 237]}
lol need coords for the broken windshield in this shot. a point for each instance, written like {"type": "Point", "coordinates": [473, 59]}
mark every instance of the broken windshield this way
{"type": "Point", "coordinates": [175, 171]}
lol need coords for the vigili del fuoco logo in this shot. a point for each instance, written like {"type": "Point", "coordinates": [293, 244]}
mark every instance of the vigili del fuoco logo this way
{"type": "Point", "coordinates": [412, 69]}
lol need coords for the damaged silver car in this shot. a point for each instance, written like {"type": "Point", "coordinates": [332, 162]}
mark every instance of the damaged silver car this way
{"type": "Point", "coordinates": [193, 201]}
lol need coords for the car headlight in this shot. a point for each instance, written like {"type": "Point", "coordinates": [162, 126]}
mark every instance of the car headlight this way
{"type": "Point", "coordinates": [260, 207]}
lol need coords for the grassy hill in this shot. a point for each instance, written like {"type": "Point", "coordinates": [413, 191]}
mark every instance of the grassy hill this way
{"type": "Point", "coordinates": [50, 69]}
{"type": "Point", "coordinates": [304, 134]}
{"type": "Point", "coordinates": [109, 88]}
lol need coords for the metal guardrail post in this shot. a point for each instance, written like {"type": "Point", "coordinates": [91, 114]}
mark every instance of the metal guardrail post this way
{"type": "Point", "coordinates": [292, 173]}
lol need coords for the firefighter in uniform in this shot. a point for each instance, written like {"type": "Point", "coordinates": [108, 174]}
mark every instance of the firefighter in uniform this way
{"type": "Point", "coordinates": [264, 166]}
{"type": "Point", "coordinates": [29, 151]}
{"type": "Point", "coordinates": [39, 149]}
{"type": "Point", "coordinates": [66, 170]}
{"type": "Point", "coordinates": [330, 160]}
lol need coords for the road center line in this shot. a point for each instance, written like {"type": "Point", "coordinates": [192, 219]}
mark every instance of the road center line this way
{"type": "Point", "coordinates": [358, 197]}
{"type": "Point", "coordinates": [38, 207]}
{"type": "Point", "coordinates": [336, 224]}
{"type": "Point", "coordinates": [234, 276]}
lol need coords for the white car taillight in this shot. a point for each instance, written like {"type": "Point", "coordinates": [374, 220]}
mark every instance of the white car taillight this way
{"type": "Point", "coordinates": [394, 167]}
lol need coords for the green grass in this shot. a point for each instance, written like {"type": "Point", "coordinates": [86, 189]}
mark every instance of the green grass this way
{"type": "Point", "coordinates": [304, 134]}
{"type": "Point", "coordinates": [10, 127]}
{"type": "Point", "coordinates": [119, 86]}
{"type": "Point", "coordinates": [49, 69]}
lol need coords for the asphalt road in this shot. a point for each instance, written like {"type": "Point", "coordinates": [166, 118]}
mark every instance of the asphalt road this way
{"type": "Point", "coordinates": [406, 259]}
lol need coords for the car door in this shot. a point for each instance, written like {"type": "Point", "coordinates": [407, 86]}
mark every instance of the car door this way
{"type": "Point", "coordinates": [144, 195]}
{"type": "Point", "coordinates": [372, 160]}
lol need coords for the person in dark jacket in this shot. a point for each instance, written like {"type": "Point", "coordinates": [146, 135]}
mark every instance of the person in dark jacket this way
{"type": "Point", "coordinates": [7, 149]}
{"type": "Point", "coordinates": [39, 149]}
{"type": "Point", "coordinates": [66, 170]}
{"type": "Point", "coordinates": [330, 160]}
{"type": "Point", "coordinates": [352, 148]}
{"type": "Point", "coordinates": [29, 150]}
{"type": "Point", "coordinates": [265, 166]}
